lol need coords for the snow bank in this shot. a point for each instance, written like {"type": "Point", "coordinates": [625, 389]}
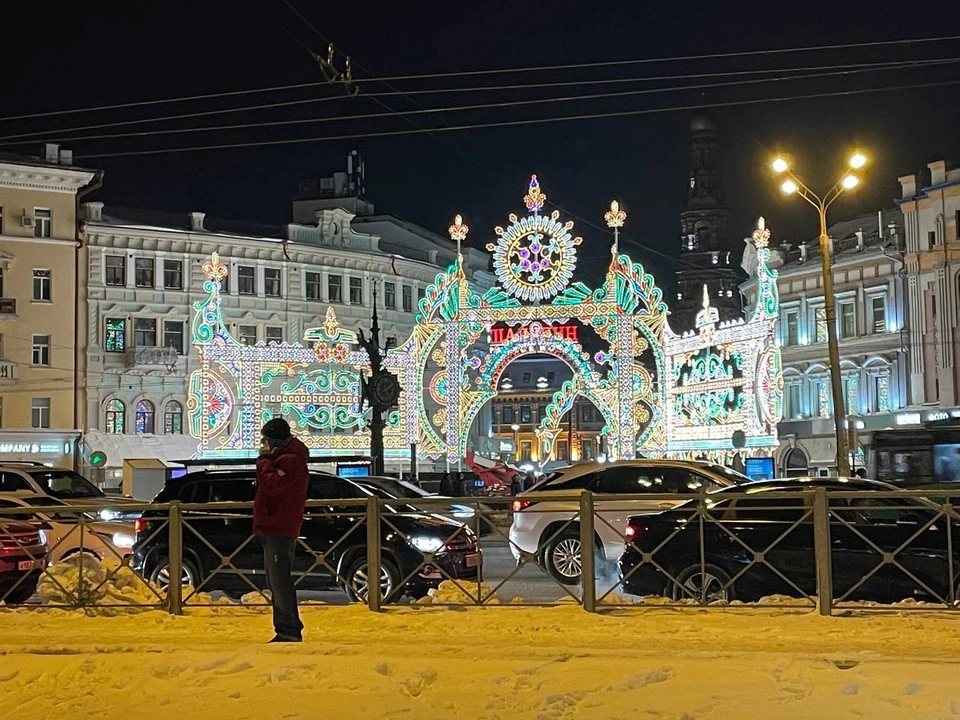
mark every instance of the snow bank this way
{"type": "Point", "coordinates": [450, 593]}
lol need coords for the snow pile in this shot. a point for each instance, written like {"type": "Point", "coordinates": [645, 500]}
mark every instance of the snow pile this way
{"type": "Point", "coordinates": [464, 593]}
{"type": "Point", "coordinates": [83, 580]}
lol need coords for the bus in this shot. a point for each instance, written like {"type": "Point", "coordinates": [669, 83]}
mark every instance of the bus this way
{"type": "Point", "coordinates": [916, 456]}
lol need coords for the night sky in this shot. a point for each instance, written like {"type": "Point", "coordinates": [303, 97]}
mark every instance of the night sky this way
{"type": "Point", "coordinates": [103, 53]}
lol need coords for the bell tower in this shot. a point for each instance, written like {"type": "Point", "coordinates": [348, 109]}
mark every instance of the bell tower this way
{"type": "Point", "coordinates": [707, 259]}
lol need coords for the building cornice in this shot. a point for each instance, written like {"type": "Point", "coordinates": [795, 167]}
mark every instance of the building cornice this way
{"type": "Point", "coordinates": [59, 179]}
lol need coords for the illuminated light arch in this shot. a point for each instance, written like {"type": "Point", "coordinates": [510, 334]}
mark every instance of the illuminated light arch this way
{"type": "Point", "coordinates": [660, 394]}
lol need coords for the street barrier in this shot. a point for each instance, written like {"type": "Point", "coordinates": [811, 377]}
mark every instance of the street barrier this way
{"type": "Point", "coordinates": [828, 551]}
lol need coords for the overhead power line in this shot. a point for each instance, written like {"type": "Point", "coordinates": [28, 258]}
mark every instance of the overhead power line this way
{"type": "Point", "coordinates": [435, 111]}
{"type": "Point", "coordinates": [845, 68]}
{"type": "Point", "coordinates": [495, 72]}
{"type": "Point", "coordinates": [516, 123]}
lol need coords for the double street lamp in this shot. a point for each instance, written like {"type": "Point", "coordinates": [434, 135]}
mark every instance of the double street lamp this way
{"type": "Point", "coordinates": [790, 185]}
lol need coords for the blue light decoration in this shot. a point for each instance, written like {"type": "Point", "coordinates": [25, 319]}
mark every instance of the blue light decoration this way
{"type": "Point", "coordinates": [659, 393]}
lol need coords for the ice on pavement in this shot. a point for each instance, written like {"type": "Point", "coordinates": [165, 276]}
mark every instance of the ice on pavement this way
{"type": "Point", "coordinates": [506, 663]}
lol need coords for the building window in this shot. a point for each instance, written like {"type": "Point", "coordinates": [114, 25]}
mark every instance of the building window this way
{"type": "Point", "coordinates": [881, 393]}
{"type": "Point", "coordinates": [421, 294]}
{"type": "Point", "coordinates": [407, 298]}
{"type": "Point", "coordinates": [851, 388]}
{"type": "Point", "coordinates": [41, 286]}
{"type": "Point", "coordinates": [248, 334]}
{"type": "Point", "coordinates": [588, 449]}
{"type": "Point", "coordinates": [116, 270]}
{"type": "Point", "coordinates": [145, 418]}
{"type": "Point", "coordinates": [40, 413]}
{"type": "Point", "coordinates": [791, 328]}
{"type": "Point", "coordinates": [115, 419]}
{"type": "Point", "coordinates": [390, 296]}
{"type": "Point", "coordinates": [41, 349]}
{"type": "Point", "coordinates": [822, 388]}
{"type": "Point", "coordinates": [561, 451]}
{"type": "Point", "coordinates": [551, 378]}
{"type": "Point", "coordinates": [793, 408]}
{"type": "Point", "coordinates": [524, 413]}
{"type": "Point", "coordinates": [173, 418]}
{"type": "Point", "coordinates": [173, 335]}
{"type": "Point", "coordinates": [42, 221]}
{"type": "Point", "coordinates": [1, 277]}
{"type": "Point", "coordinates": [144, 332]}
{"type": "Point", "coordinates": [271, 282]}
{"type": "Point", "coordinates": [312, 288]}
{"type": "Point", "coordinates": [848, 320]}
{"type": "Point", "coordinates": [143, 269]}
{"type": "Point", "coordinates": [585, 413]}
{"type": "Point", "coordinates": [225, 283]}
{"type": "Point", "coordinates": [878, 314]}
{"type": "Point", "coordinates": [335, 288]}
{"type": "Point", "coordinates": [526, 450]}
{"type": "Point", "coordinates": [173, 275]}
{"type": "Point", "coordinates": [507, 414]}
{"type": "Point", "coordinates": [356, 291]}
{"type": "Point", "coordinates": [1, 220]}
{"type": "Point", "coordinates": [820, 318]}
{"type": "Point", "coordinates": [273, 335]}
{"type": "Point", "coordinates": [932, 238]}
{"type": "Point", "coordinates": [526, 378]}
{"type": "Point", "coordinates": [246, 280]}
{"type": "Point", "coordinates": [115, 338]}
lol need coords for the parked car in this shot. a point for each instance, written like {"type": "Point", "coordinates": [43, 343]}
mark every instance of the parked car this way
{"type": "Point", "coordinates": [331, 553]}
{"type": "Point", "coordinates": [23, 555]}
{"type": "Point", "coordinates": [861, 531]}
{"type": "Point", "coordinates": [390, 488]}
{"type": "Point", "coordinates": [549, 531]}
{"type": "Point", "coordinates": [101, 539]}
{"type": "Point", "coordinates": [28, 478]}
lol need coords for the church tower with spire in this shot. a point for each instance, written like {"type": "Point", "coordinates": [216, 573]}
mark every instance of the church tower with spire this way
{"type": "Point", "coordinates": [707, 258]}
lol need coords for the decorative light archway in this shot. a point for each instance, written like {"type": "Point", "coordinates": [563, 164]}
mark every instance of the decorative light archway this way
{"type": "Point", "coordinates": [659, 393]}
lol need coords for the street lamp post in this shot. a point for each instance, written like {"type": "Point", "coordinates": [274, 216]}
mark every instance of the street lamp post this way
{"type": "Point", "coordinates": [516, 441]}
{"type": "Point", "coordinates": [793, 184]}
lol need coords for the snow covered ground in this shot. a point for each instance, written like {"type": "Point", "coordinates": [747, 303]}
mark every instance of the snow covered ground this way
{"type": "Point", "coordinates": [504, 662]}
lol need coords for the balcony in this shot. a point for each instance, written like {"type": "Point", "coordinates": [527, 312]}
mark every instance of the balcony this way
{"type": "Point", "coordinates": [151, 357]}
{"type": "Point", "coordinates": [8, 372]}
{"type": "Point", "coordinates": [8, 307]}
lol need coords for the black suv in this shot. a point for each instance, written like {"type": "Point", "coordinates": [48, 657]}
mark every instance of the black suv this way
{"type": "Point", "coordinates": [418, 550]}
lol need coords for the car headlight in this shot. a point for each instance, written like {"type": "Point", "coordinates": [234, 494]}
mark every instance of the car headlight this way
{"type": "Point", "coordinates": [462, 511]}
{"type": "Point", "coordinates": [43, 538]}
{"type": "Point", "coordinates": [123, 540]}
{"type": "Point", "coordinates": [109, 515]}
{"type": "Point", "coordinates": [426, 544]}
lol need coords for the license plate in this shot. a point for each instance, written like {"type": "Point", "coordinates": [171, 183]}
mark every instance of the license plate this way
{"type": "Point", "coordinates": [472, 561]}
{"type": "Point", "coordinates": [28, 564]}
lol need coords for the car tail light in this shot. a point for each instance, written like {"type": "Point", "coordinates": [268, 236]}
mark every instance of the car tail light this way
{"type": "Point", "coordinates": [139, 525]}
{"type": "Point", "coordinates": [519, 505]}
{"type": "Point", "coordinates": [631, 532]}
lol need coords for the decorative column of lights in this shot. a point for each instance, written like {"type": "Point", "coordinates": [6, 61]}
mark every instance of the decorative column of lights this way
{"type": "Point", "coordinates": [615, 217]}
{"type": "Point", "coordinates": [848, 181]}
{"type": "Point", "coordinates": [637, 381]}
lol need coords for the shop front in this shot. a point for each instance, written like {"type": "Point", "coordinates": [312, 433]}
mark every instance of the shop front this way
{"type": "Point", "coordinates": [49, 447]}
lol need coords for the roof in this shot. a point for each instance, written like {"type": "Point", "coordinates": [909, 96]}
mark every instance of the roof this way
{"type": "Point", "coordinates": [845, 241]}
{"type": "Point", "coordinates": [32, 161]}
{"type": "Point", "coordinates": [163, 219]}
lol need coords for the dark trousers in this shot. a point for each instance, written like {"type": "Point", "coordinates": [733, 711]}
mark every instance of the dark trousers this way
{"type": "Point", "coordinates": [278, 553]}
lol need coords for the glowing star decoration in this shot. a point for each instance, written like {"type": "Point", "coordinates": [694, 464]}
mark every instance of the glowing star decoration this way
{"type": "Point", "coordinates": [660, 394]}
{"type": "Point", "coordinates": [535, 257]}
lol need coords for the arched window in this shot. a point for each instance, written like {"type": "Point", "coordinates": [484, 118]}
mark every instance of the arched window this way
{"type": "Point", "coordinates": [116, 415]}
{"type": "Point", "coordinates": [173, 418]}
{"type": "Point", "coordinates": [145, 418]}
{"type": "Point", "coordinates": [795, 464]}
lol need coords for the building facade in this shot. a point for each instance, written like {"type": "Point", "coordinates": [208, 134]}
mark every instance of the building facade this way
{"type": "Point", "coordinates": [871, 314]}
{"type": "Point", "coordinates": [706, 255]}
{"type": "Point", "coordinates": [144, 274]}
{"type": "Point", "coordinates": [38, 272]}
{"type": "Point", "coordinates": [526, 388]}
{"type": "Point", "coordinates": [931, 216]}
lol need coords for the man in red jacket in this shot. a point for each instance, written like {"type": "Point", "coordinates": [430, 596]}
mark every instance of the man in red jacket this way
{"type": "Point", "coordinates": [282, 479]}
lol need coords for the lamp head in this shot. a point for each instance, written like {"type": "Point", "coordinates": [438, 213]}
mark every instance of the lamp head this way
{"type": "Point", "coordinates": [850, 181]}
{"type": "Point", "coordinates": [858, 160]}
{"type": "Point", "coordinates": [780, 165]}
{"type": "Point", "coordinates": [789, 187]}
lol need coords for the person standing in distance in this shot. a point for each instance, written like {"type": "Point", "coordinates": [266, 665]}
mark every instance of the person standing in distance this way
{"type": "Point", "coordinates": [282, 479]}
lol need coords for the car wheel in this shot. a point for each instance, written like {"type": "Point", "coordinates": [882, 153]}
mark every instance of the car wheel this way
{"type": "Point", "coordinates": [562, 557]}
{"type": "Point", "coordinates": [160, 575]}
{"type": "Point", "coordinates": [357, 585]}
{"type": "Point", "coordinates": [20, 595]}
{"type": "Point", "coordinates": [708, 582]}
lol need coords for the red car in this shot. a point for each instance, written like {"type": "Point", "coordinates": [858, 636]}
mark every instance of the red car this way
{"type": "Point", "coordinates": [23, 554]}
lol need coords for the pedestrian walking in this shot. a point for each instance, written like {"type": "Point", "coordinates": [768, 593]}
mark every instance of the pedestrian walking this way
{"type": "Point", "coordinates": [282, 479]}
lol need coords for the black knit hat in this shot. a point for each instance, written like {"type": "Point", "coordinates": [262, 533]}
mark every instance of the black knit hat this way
{"type": "Point", "coordinates": [276, 429]}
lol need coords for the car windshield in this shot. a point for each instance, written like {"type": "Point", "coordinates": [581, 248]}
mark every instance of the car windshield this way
{"type": "Point", "coordinates": [731, 475]}
{"type": "Point", "coordinates": [385, 494]}
{"type": "Point", "coordinates": [400, 488]}
{"type": "Point", "coordinates": [66, 484]}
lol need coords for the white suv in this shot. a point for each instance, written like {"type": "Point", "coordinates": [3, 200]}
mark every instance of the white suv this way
{"type": "Point", "coordinates": [27, 479]}
{"type": "Point", "coordinates": [548, 531]}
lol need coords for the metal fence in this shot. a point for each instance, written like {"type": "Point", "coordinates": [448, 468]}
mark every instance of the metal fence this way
{"type": "Point", "coordinates": [828, 550]}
